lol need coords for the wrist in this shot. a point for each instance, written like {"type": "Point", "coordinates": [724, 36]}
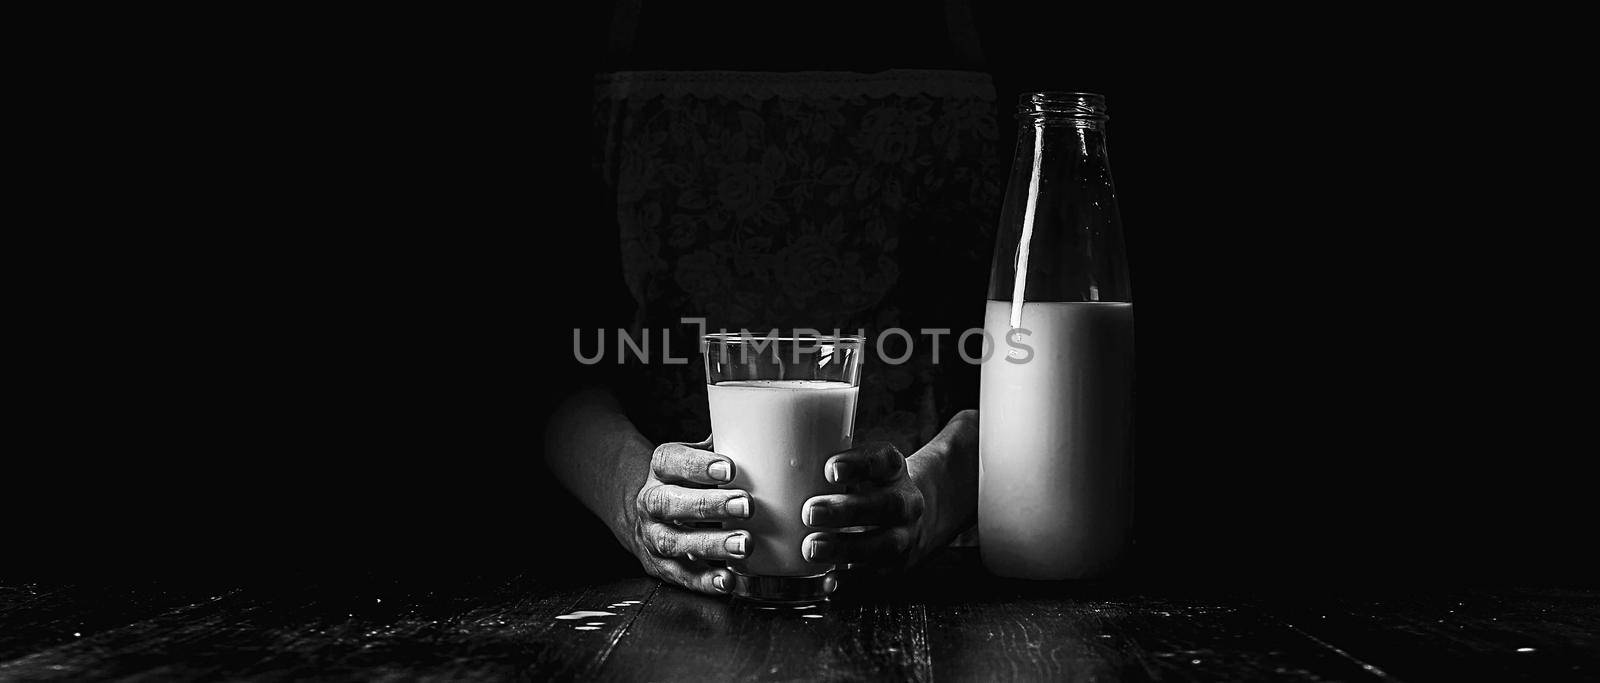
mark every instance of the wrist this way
{"type": "Point", "coordinates": [927, 472]}
{"type": "Point", "coordinates": [624, 485]}
{"type": "Point", "coordinates": [624, 512]}
{"type": "Point", "coordinates": [946, 471]}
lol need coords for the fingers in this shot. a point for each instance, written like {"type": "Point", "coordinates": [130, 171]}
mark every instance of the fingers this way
{"type": "Point", "coordinates": [692, 575]}
{"type": "Point", "coordinates": [877, 507]}
{"type": "Point", "coordinates": [695, 544]}
{"type": "Point", "coordinates": [668, 502]}
{"type": "Point", "coordinates": [887, 545]}
{"type": "Point", "coordinates": [678, 463]}
{"type": "Point", "coordinates": [877, 462]}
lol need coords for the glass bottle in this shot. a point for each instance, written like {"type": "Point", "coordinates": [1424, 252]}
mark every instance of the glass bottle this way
{"type": "Point", "coordinates": [1055, 497]}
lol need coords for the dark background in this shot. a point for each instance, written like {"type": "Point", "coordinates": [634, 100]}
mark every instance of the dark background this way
{"type": "Point", "coordinates": [346, 367]}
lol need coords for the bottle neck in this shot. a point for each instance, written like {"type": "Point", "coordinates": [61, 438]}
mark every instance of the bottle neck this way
{"type": "Point", "coordinates": [1060, 236]}
{"type": "Point", "coordinates": [1083, 139]}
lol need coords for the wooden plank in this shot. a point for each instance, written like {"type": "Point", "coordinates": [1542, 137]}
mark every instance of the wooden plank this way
{"type": "Point", "coordinates": [682, 636]}
{"type": "Point", "coordinates": [528, 639]}
{"type": "Point", "coordinates": [947, 621]}
{"type": "Point", "coordinates": [984, 628]}
{"type": "Point", "coordinates": [470, 634]}
{"type": "Point", "coordinates": [1462, 634]}
{"type": "Point", "coordinates": [473, 630]}
{"type": "Point", "coordinates": [108, 653]}
{"type": "Point", "coordinates": [252, 631]}
{"type": "Point", "coordinates": [39, 617]}
{"type": "Point", "coordinates": [343, 630]}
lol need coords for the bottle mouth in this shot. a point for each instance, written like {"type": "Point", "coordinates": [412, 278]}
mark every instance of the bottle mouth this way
{"type": "Point", "coordinates": [1062, 104]}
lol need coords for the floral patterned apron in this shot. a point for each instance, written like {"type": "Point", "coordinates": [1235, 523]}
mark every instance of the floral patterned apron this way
{"type": "Point", "coordinates": [814, 199]}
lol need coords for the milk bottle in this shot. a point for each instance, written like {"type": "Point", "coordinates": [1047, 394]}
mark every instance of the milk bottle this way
{"type": "Point", "coordinates": [1055, 497]}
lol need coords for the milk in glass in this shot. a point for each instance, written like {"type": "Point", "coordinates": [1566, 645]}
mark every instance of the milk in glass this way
{"type": "Point", "coordinates": [780, 434]}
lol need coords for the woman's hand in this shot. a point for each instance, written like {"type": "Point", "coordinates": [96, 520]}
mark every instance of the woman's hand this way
{"type": "Point", "coordinates": [914, 505]}
{"type": "Point", "coordinates": [879, 492]}
{"type": "Point", "coordinates": [679, 488]}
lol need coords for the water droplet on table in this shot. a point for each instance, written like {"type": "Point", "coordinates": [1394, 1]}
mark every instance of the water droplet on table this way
{"type": "Point", "coordinates": [585, 614]}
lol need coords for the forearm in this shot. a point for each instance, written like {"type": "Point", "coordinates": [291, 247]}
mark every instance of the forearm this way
{"type": "Point", "coordinates": [946, 472]}
{"type": "Point", "coordinates": [598, 455]}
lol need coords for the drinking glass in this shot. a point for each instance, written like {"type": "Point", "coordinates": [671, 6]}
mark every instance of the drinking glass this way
{"type": "Point", "coordinates": [780, 407]}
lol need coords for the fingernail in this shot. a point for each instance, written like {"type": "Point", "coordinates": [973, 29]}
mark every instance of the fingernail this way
{"type": "Point", "coordinates": [830, 584]}
{"type": "Point", "coordinates": [739, 507]}
{"type": "Point", "coordinates": [831, 472]}
{"type": "Point", "coordinates": [818, 547]}
{"type": "Point", "coordinates": [735, 544]}
{"type": "Point", "coordinates": [806, 514]}
{"type": "Point", "coordinates": [720, 471]}
{"type": "Point", "coordinates": [720, 581]}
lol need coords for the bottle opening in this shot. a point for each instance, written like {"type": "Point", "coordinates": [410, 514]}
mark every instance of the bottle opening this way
{"type": "Point", "coordinates": [1057, 104]}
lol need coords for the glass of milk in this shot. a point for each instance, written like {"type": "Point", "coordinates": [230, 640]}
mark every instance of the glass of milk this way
{"type": "Point", "coordinates": [780, 407]}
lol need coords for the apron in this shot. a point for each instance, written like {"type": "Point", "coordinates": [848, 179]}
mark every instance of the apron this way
{"type": "Point", "coordinates": [815, 199]}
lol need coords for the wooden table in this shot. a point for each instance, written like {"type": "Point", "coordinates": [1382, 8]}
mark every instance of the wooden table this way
{"type": "Point", "coordinates": [946, 621]}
